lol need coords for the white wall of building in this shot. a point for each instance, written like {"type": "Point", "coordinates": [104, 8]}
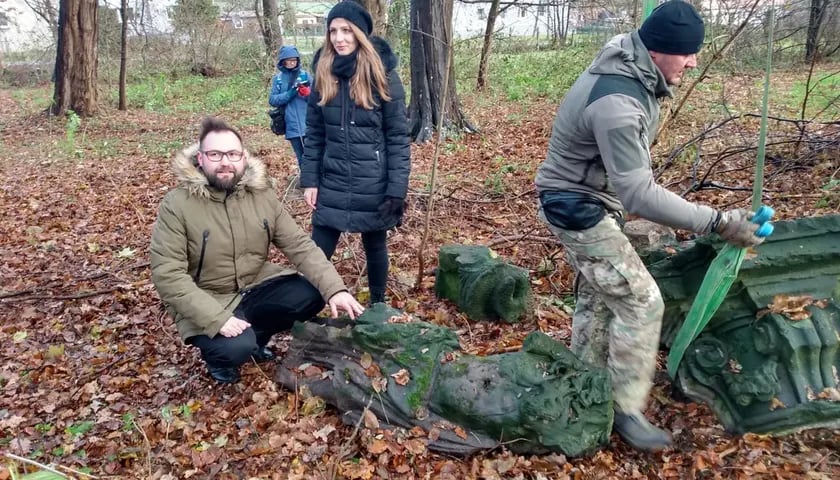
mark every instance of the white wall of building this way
{"type": "Point", "coordinates": [470, 19]}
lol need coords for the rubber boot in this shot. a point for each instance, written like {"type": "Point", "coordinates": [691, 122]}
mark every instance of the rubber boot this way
{"type": "Point", "coordinates": [639, 433]}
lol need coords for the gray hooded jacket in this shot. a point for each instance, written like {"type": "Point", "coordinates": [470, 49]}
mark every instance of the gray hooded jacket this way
{"type": "Point", "coordinates": [601, 136]}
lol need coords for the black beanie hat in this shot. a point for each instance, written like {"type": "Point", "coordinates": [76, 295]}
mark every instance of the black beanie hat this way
{"type": "Point", "coordinates": [674, 27]}
{"type": "Point", "coordinates": [353, 13]}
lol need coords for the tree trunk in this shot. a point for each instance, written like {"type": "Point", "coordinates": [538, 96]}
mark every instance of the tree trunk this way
{"type": "Point", "coordinates": [123, 51]}
{"type": "Point", "coordinates": [76, 58]}
{"type": "Point", "coordinates": [379, 13]}
{"type": "Point", "coordinates": [270, 26]}
{"type": "Point", "coordinates": [815, 20]}
{"type": "Point", "coordinates": [481, 81]}
{"type": "Point", "coordinates": [431, 22]}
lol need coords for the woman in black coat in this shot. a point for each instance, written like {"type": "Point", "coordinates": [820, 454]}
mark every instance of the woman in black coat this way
{"type": "Point", "coordinates": [357, 157]}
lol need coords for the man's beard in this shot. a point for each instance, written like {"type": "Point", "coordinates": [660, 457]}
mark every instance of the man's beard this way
{"type": "Point", "coordinates": [226, 184]}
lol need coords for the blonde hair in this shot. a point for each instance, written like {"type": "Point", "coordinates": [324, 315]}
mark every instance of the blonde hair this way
{"type": "Point", "coordinates": [370, 73]}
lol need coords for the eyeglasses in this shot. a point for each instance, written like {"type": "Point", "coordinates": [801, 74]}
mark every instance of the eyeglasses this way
{"type": "Point", "coordinates": [216, 156]}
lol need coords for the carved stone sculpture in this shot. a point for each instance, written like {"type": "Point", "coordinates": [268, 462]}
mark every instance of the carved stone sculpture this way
{"type": "Point", "coordinates": [768, 360]}
{"type": "Point", "coordinates": [413, 373]}
{"type": "Point", "coordinates": [484, 286]}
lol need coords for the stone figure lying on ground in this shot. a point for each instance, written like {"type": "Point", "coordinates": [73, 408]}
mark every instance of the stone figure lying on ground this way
{"type": "Point", "coordinates": [537, 400]}
{"type": "Point", "coordinates": [483, 285]}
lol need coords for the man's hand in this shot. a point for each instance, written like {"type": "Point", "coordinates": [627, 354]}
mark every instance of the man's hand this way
{"type": "Point", "coordinates": [310, 195]}
{"type": "Point", "coordinates": [233, 327]}
{"type": "Point", "coordinates": [736, 227]}
{"type": "Point", "coordinates": [344, 301]}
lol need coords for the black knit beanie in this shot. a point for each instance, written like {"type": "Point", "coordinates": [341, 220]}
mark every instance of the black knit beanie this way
{"type": "Point", "coordinates": [353, 13]}
{"type": "Point", "coordinates": [674, 27]}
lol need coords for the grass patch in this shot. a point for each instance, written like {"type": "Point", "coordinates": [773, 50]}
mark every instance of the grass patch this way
{"type": "Point", "coordinates": [823, 101]}
{"type": "Point", "coordinates": [520, 75]}
{"type": "Point", "coordinates": [196, 94]}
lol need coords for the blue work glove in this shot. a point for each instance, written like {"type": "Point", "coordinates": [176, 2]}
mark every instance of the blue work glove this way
{"type": "Point", "coordinates": [743, 228]}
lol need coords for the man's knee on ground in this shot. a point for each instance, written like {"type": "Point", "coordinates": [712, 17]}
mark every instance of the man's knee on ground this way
{"type": "Point", "coordinates": [235, 354]}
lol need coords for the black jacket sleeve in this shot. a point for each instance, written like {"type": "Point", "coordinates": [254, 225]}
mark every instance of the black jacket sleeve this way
{"type": "Point", "coordinates": [395, 125]}
{"type": "Point", "coordinates": [313, 151]}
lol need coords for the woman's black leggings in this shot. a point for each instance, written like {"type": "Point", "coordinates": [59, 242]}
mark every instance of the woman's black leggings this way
{"type": "Point", "coordinates": [376, 251]}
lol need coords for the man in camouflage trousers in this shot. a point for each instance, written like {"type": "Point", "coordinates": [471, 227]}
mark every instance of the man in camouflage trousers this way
{"type": "Point", "coordinates": [598, 165]}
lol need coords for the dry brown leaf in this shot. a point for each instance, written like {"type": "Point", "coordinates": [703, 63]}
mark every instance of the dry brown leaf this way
{"type": "Point", "coordinates": [363, 470]}
{"type": "Point", "coordinates": [415, 446]}
{"type": "Point", "coordinates": [461, 433]}
{"type": "Point", "coordinates": [379, 384]}
{"type": "Point", "coordinates": [377, 447]}
{"type": "Point", "coordinates": [402, 318]}
{"type": "Point", "coordinates": [830, 393]}
{"type": "Point", "coordinates": [324, 433]}
{"type": "Point", "coordinates": [402, 377]}
{"type": "Point", "coordinates": [792, 306]}
{"type": "Point", "coordinates": [277, 441]}
{"type": "Point", "coordinates": [434, 434]}
{"type": "Point", "coordinates": [370, 419]}
{"type": "Point", "coordinates": [373, 371]}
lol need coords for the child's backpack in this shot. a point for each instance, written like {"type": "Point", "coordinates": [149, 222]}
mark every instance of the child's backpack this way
{"type": "Point", "coordinates": [278, 120]}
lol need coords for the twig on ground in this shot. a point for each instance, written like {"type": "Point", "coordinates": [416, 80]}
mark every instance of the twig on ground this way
{"type": "Point", "coordinates": [519, 238]}
{"type": "Point", "coordinates": [34, 463]}
{"type": "Point", "coordinates": [76, 296]}
{"type": "Point", "coordinates": [347, 447]}
{"type": "Point", "coordinates": [148, 446]}
{"type": "Point", "coordinates": [86, 278]}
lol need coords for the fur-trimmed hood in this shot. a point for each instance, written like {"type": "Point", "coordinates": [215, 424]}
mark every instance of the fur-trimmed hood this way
{"type": "Point", "coordinates": [386, 53]}
{"type": "Point", "coordinates": [189, 175]}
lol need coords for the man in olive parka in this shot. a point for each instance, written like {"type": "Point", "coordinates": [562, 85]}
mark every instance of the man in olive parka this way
{"type": "Point", "coordinates": [209, 256]}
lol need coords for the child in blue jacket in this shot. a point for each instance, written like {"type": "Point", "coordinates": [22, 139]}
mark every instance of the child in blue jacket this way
{"type": "Point", "coordinates": [290, 88]}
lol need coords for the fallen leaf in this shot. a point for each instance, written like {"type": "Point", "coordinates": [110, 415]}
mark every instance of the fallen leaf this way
{"type": "Point", "coordinates": [415, 445]}
{"type": "Point", "coordinates": [313, 406]}
{"type": "Point", "coordinates": [19, 336]}
{"type": "Point", "coordinates": [277, 441]}
{"type": "Point", "coordinates": [373, 371]}
{"type": "Point", "coordinates": [377, 446]}
{"type": "Point", "coordinates": [366, 361]}
{"type": "Point", "coordinates": [379, 384]}
{"type": "Point", "coordinates": [323, 433]}
{"type": "Point", "coordinates": [792, 306]}
{"type": "Point", "coordinates": [125, 253]}
{"type": "Point", "coordinates": [461, 433]}
{"type": "Point", "coordinates": [370, 419]}
{"type": "Point", "coordinates": [363, 470]}
{"type": "Point", "coordinates": [402, 377]}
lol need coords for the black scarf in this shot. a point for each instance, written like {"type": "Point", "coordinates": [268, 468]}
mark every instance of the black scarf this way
{"type": "Point", "coordinates": [344, 66]}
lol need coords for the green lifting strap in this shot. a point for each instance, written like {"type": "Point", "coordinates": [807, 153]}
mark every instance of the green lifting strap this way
{"type": "Point", "coordinates": [724, 268]}
{"type": "Point", "coordinates": [647, 7]}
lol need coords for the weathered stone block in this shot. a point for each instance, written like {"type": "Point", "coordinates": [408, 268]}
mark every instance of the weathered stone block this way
{"type": "Point", "coordinates": [484, 286]}
{"type": "Point", "coordinates": [537, 400]}
{"type": "Point", "coordinates": [760, 369]}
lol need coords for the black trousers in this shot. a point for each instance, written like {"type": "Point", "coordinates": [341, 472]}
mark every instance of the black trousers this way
{"type": "Point", "coordinates": [271, 307]}
{"type": "Point", "coordinates": [376, 251]}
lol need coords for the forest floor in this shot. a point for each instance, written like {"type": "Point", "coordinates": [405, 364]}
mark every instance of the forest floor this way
{"type": "Point", "coordinates": [94, 378]}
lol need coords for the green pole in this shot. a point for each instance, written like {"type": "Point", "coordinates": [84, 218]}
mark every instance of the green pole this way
{"type": "Point", "coordinates": [647, 7]}
{"type": "Point", "coordinates": [762, 134]}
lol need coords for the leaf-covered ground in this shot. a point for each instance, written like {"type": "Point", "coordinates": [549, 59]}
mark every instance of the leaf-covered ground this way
{"type": "Point", "coordinates": [94, 378]}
